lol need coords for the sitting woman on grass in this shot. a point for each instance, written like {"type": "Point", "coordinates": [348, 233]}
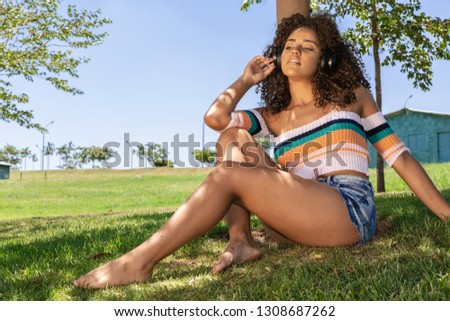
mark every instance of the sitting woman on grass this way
{"type": "Point", "coordinates": [319, 113]}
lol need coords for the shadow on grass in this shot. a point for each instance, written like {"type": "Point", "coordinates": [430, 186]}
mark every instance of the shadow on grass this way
{"type": "Point", "coordinates": [408, 260]}
{"type": "Point", "coordinates": [403, 215]}
{"type": "Point", "coordinates": [49, 251]}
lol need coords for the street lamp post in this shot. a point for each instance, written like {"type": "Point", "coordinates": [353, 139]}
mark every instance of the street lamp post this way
{"type": "Point", "coordinates": [409, 97]}
{"type": "Point", "coordinates": [203, 143]}
{"type": "Point", "coordinates": [43, 144]}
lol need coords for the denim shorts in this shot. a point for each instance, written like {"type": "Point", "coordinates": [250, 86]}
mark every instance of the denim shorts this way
{"type": "Point", "coordinates": [358, 195]}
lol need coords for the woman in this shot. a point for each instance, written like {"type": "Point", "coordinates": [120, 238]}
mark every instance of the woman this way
{"type": "Point", "coordinates": [318, 112]}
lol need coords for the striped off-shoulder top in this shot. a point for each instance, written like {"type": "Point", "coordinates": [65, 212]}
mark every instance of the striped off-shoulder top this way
{"type": "Point", "coordinates": [335, 142]}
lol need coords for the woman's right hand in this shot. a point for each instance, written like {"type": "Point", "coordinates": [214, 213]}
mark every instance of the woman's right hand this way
{"type": "Point", "coordinates": [257, 70]}
{"type": "Point", "coordinates": [218, 115]}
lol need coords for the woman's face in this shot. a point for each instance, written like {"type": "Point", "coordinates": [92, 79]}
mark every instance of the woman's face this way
{"type": "Point", "coordinates": [301, 54]}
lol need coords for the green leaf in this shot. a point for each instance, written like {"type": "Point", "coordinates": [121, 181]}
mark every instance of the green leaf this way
{"type": "Point", "coordinates": [405, 35]}
{"type": "Point", "coordinates": [38, 42]}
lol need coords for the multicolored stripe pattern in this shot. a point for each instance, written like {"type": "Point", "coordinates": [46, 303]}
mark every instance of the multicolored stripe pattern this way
{"type": "Point", "coordinates": [383, 138]}
{"type": "Point", "coordinates": [250, 120]}
{"type": "Point", "coordinates": [334, 142]}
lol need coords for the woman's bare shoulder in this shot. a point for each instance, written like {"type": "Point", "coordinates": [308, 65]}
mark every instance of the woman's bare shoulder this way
{"type": "Point", "coordinates": [365, 102]}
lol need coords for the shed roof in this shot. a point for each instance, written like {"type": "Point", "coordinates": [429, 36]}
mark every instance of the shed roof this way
{"type": "Point", "coordinates": [5, 164]}
{"type": "Point", "coordinates": [409, 110]}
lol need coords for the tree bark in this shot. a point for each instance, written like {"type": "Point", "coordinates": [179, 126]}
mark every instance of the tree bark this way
{"type": "Point", "coordinates": [376, 56]}
{"type": "Point", "coordinates": [286, 8]}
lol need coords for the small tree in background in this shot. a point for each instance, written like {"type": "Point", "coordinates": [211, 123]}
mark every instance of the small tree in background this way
{"type": "Point", "coordinates": [49, 150]}
{"type": "Point", "coordinates": [205, 156]}
{"type": "Point", "coordinates": [158, 156]}
{"type": "Point", "coordinates": [10, 154]}
{"type": "Point", "coordinates": [38, 42]}
{"type": "Point", "coordinates": [69, 157]}
{"type": "Point", "coordinates": [24, 154]}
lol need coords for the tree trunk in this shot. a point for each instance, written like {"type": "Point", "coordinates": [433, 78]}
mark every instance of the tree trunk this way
{"type": "Point", "coordinates": [286, 8]}
{"type": "Point", "coordinates": [376, 57]}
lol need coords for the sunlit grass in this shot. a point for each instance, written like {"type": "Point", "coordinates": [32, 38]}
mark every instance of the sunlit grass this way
{"type": "Point", "coordinates": [55, 229]}
{"type": "Point", "coordinates": [33, 194]}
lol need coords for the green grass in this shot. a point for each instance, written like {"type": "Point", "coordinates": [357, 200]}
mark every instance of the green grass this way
{"type": "Point", "coordinates": [53, 230]}
{"type": "Point", "coordinates": [32, 194]}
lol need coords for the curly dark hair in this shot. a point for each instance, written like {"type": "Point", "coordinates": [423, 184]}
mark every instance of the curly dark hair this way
{"type": "Point", "coordinates": [335, 87]}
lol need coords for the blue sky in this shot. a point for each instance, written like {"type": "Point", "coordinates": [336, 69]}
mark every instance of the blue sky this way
{"type": "Point", "coordinates": [164, 63]}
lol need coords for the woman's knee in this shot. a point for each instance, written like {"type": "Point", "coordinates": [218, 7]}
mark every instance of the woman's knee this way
{"type": "Point", "coordinates": [231, 144]}
{"type": "Point", "coordinates": [235, 133]}
{"type": "Point", "coordinates": [238, 145]}
{"type": "Point", "coordinates": [234, 136]}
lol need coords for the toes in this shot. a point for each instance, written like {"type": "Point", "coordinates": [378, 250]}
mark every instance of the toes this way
{"type": "Point", "coordinates": [226, 260]}
{"type": "Point", "coordinates": [81, 282]}
{"type": "Point", "coordinates": [239, 254]}
{"type": "Point", "coordinates": [219, 267]}
{"type": "Point", "coordinates": [86, 281]}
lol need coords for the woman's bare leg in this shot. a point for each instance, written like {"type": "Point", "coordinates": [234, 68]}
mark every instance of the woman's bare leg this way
{"type": "Point", "coordinates": [196, 216]}
{"type": "Point", "coordinates": [304, 211]}
{"type": "Point", "coordinates": [238, 145]}
{"type": "Point", "coordinates": [241, 248]}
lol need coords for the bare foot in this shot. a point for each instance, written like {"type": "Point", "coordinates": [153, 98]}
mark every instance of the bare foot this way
{"type": "Point", "coordinates": [237, 253]}
{"type": "Point", "coordinates": [118, 272]}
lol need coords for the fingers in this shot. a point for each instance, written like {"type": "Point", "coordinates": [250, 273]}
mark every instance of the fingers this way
{"type": "Point", "coordinates": [258, 69]}
{"type": "Point", "coordinates": [264, 66]}
{"type": "Point", "coordinates": [264, 62]}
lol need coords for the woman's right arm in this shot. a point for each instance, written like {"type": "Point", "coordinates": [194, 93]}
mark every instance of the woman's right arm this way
{"type": "Point", "coordinates": [218, 115]}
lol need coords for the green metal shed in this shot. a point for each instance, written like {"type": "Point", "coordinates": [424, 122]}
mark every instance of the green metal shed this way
{"type": "Point", "coordinates": [425, 133]}
{"type": "Point", "coordinates": [4, 170]}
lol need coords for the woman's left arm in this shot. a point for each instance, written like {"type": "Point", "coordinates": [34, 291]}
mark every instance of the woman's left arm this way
{"type": "Point", "coordinates": [420, 183]}
{"type": "Point", "coordinates": [407, 167]}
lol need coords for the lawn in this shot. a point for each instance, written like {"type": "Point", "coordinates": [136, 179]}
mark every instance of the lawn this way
{"type": "Point", "coordinates": [57, 226]}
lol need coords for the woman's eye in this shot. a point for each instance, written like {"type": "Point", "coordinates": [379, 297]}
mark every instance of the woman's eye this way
{"type": "Point", "coordinates": [288, 48]}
